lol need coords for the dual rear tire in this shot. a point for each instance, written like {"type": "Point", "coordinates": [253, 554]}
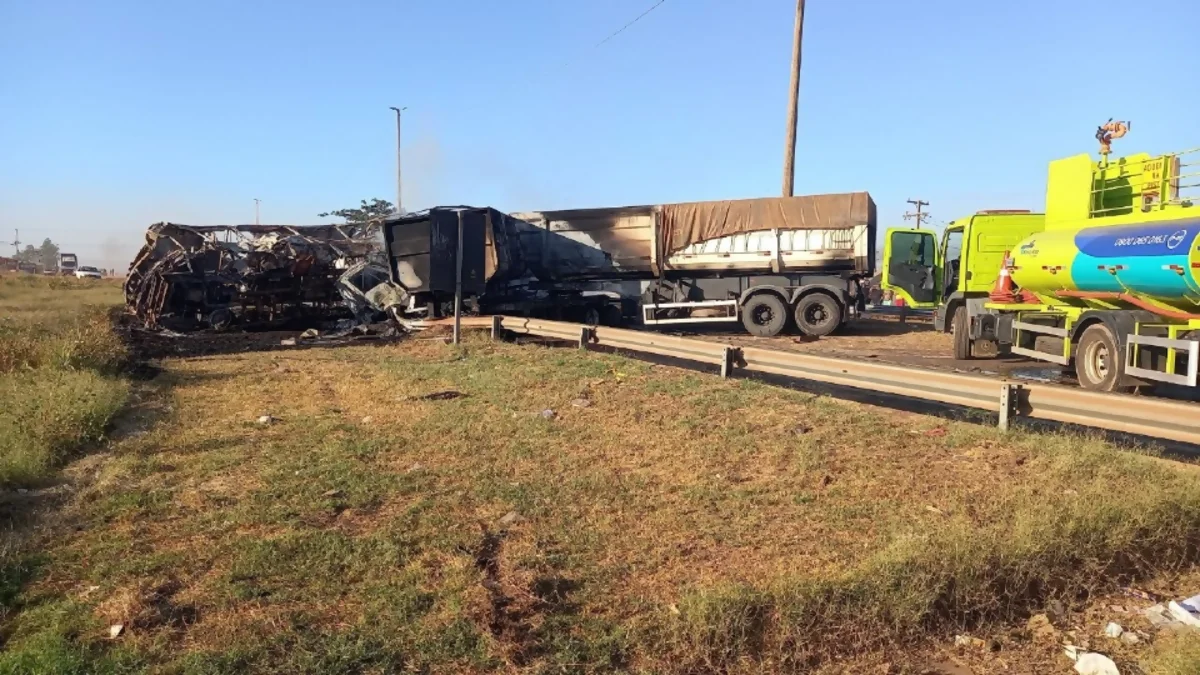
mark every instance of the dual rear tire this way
{"type": "Point", "coordinates": [766, 315]}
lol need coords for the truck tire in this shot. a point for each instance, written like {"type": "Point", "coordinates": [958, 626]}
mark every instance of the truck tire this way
{"type": "Point", "coordinates": [764, 315]}
{"type": "Point", "coordinates": [818, 315]}
{"type": "Point", "coordinates": [962, 334]}
{"type": "Point", "coordinates": [1099, 364]}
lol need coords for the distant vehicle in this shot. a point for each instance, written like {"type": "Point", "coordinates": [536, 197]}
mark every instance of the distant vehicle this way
{"type": "Point", "coordinates": [28, 267]}
{"type": "Point", "coordinates": [67, 263]}
{"type": "Point", "coordinates": [86, 272]}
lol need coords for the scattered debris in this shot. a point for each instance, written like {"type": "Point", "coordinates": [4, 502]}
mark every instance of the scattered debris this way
{"type": "Point", "coordinates": [368, 419]}
{"type": "Point", "coordinates": [310, 334]}
{"type": "Point", "coordinates": [1157, 616]}
{"type": "Point", "coordinates": [934, 509]}
{"type": "Point", "coordinates": [1120, 609]}
{"type": "Point", "coordinates": [1041, 629]}
{"type": "Point", "coordinates": [288, 342]}
{"type": "Point", "coordinates": [581, 403]}
{"type": "Point", "coordinates": [1186, 612]}
{"type": "Point", "coordinates": [115, 630]}
{"type": "Point", "coordinates": [1140, 594]}
{"type": "Point", "coordinates": [1113, 630]}
{"type": "Point", "coordinates": [936, 432]}
{"type": "Point", "coordinates": [548, 414]}
{"type": "Point", "coordinates": [1091, 663]}
{"type": "Point", "coordinates": [416, 467]}
{"type": "Point", "coordinates": [510, 518]}
{"type": "Point", "coordinates": [332, 493]}
{"type": "Point", "coordinates": [267, 419]}
{"type": "Point", "coordinates": [1130, 638]}
{"type": "Point", "coordinates": [801, 429]}
{"type": "Point", "coordinates": [968, 641]}
{"type": "Point", "coordinates": [440, 396]}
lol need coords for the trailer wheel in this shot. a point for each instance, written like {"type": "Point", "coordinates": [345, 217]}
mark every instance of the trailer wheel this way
{"type": "Point", "coordinates": [764, 315]}
{"type": "Point", "coordinates": [591, 316]}
{"type": "Point", "coordinates": [818, 315]}
{"type": "Point", "coordinates": [962, 334]}
{"type": "Point", "coordinates": [1098, 362]}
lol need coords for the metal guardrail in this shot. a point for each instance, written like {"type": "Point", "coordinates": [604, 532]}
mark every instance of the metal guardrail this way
{"type": "Point", "coordinates": [1155, 418]}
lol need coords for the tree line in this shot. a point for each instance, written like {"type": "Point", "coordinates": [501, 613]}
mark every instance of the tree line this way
{"type": "Point", "coordinates": [45, 255]}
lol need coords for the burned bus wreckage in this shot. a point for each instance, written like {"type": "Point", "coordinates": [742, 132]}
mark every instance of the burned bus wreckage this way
{"type": "Point", "coordinates": [189, 278]}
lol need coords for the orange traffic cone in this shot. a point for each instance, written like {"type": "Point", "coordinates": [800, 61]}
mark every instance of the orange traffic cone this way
{"type": "Point", "coordinates": [1004, 290]}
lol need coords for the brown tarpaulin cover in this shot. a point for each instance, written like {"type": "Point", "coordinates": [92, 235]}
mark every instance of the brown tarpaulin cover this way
{"type": "Point", "coordinates": [685, 224]}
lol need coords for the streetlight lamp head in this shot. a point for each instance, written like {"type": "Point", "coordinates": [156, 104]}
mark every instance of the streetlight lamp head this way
{"type": "Point", "coordinates": [397, 109]}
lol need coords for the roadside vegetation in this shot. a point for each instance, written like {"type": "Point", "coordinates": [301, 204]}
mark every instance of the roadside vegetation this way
{"type": "Point", "coordinates": [59, 379]}
{"type": "Point", "coordinates": [1177, 654]}
{"type": "Point", "coordinates": [494, 507]}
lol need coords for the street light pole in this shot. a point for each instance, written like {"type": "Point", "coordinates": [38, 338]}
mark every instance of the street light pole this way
{"type": "Point", "coordinates": [789, 148]}
{"type": "Point", "coordinates": [399, 182]}
{"type": "Point", "coordinates": [256, 202]}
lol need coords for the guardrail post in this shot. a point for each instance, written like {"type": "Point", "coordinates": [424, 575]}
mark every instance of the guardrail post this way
{"type": "Point", "coordinates": [586, 335]}
{"type": "Point", "coordinates": [1009, 396]}
{"type": "Point", "coordinates": [497, 328]}
{"type": "Point", "coordinates": [727, 356]}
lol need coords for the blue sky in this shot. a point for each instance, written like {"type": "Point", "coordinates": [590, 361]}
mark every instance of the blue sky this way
{"type": "Point", "coordinates": [120, 113]}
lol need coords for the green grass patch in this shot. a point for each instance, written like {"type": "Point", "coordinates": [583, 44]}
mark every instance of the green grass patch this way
{"type": "Point", "coordinates": [1177, 654]}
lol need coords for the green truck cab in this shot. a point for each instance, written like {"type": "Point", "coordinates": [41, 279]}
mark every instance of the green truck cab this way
{"type": "Point", "coordinates": [954, 279]}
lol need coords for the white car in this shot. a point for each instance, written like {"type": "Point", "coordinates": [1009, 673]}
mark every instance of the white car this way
{"type": "Point", "coordinates": [86, 272]}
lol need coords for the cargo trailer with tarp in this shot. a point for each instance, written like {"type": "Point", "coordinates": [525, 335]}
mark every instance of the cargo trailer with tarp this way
{"type": "Point", "coordinates": [764, 262]}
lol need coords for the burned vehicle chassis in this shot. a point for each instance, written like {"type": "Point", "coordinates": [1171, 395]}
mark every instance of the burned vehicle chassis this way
{"type": "Point", "coordinates": [190, 278]}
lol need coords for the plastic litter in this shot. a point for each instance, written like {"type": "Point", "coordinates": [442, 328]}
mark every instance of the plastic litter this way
{"type": "Point", "coordinates": [1186, 612]}
{"type": "Point", "coordinates": [1092, 663]}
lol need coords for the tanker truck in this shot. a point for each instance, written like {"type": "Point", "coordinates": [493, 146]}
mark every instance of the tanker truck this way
{"type": "Point", "coordinates": [766, 263]}
{"type": "Point", "coordinates": [1105, 283]}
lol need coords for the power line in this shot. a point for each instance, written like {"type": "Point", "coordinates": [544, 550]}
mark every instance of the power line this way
{"type": "Point", "coordinates": [635, 20]}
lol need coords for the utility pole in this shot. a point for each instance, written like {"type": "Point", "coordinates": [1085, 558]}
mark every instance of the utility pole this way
{"type": "Point", "coordinates": [918, 216]}
{"type": "Point", "coordinates": [399, 182]}
{"type": "Point", "coordinates": [789, 148]}
{"type": "Point", "coordinates": [256, 203]}
{"type": "Point", "coordinates": [16, 244]}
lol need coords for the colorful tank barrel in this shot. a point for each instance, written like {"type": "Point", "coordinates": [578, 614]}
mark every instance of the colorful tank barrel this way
{"type": "Point", "coordinates": [1157, 261]}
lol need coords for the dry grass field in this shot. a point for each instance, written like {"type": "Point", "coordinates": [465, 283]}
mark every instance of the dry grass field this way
{"type": "Point", "coordinates": [418, 507]}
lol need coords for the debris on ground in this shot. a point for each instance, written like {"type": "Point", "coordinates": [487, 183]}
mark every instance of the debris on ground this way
{"type": "Point", "coordinates": [1186, 612]}
{"type": "Point", "coordinates": [267, 419]}
{"type": "Point", "coordinates": [548, 414]}
{"type": "Point", "coordinates": [1041, 629]}
{"type": "Point", "coordinates": [510, 518]}
{"type": "Point", "coordinates": [1091, 663]}
{"type": "Point", "coordinates": [969, 641]}
{"type": "Point", "coordinates": [189, 278]}
{"type": "Point", "coordinates": [115, 630]}
{"type": "Point", "coordinates": [448, 395]}
{"type": "Point", "coordinates": [581, 403]}
{"type": "Point", "coordinates": [1113, 630]}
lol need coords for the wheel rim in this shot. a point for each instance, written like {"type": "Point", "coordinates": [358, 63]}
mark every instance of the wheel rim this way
{"type": "Point", "coordinates": [763, 315]}
{"type": "Point", "coordinates": [816, 315]}
{"type": "Point", "coordinates": [1096, 361]}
